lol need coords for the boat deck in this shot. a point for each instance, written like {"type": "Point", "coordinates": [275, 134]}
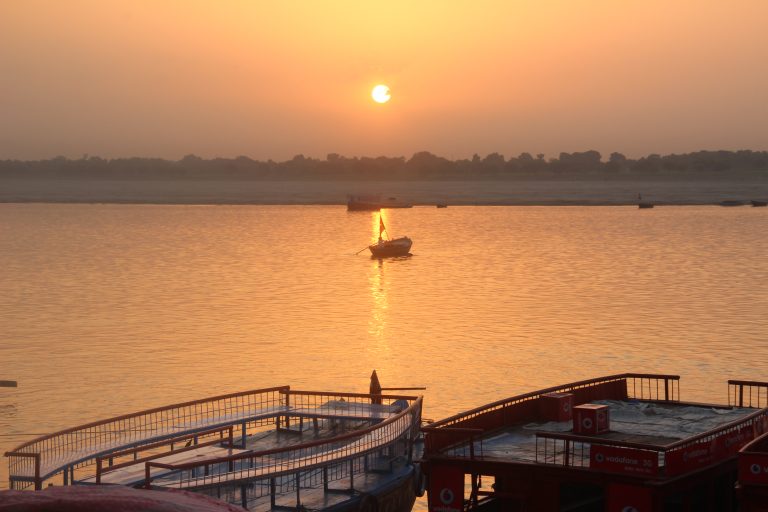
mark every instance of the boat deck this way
{"type": "Point", "coordinates": [134, 474]}
{"type": "Point", "coordinates": [631, 422]}
{"type": "Point", "coordinates": [261, 466]}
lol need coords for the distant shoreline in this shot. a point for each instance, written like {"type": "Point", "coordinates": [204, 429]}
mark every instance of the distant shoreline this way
{"type": "Point", "coordinates": [581, 192]}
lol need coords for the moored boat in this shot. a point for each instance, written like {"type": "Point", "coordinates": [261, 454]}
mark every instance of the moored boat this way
{"type": "Point", "coordinates": [759, 203]}
{"type": "Point", "coordinates": [385, 248]}
{"type": "Point", "coordinates": [752, 487]}
{"type": "Point", "coordinates": [264, 449]}
{"type": "Point", "coordinates": [732, 202]}
{"type": "Point", "coordinates": [616, 443]}
{"type": "Point", "coordinates": [644, 205]}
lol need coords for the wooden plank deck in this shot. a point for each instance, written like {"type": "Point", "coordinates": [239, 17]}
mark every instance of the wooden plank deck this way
{"type": "Point", "coordinates": [134, 474]}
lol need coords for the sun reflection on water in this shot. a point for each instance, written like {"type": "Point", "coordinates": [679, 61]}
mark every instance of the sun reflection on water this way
{"type": "Point", "coordinates": [377, 325]}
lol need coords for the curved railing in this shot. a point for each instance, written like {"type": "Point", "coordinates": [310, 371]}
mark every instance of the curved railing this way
{"type": "Point", "coordinates": [66, 451]}
{"type": "Point", "coordinates": [466, 425]}
{"type": "Point", "coordinates": [393, 436]}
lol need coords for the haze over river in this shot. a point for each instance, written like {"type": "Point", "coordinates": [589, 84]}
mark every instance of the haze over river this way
{"type": "Point", "coordinates": [110, 309]}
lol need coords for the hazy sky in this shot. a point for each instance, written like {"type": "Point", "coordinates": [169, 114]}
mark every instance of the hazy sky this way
{"type": "Point", "coordinates": [272, 79]}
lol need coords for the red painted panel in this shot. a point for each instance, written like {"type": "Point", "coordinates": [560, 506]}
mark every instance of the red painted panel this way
{"type": "Point", "coordinates": [623, 460]}
{"type": "Point", "coordinates": [446, 489]}
{"type": "Point", "coordinates": [753, 469]}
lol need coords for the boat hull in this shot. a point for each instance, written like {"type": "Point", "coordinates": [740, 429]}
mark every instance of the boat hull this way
{"type": "Point", "coordinates": [399, 496]}
{"type": "Point", "coordinates": [390, 248]}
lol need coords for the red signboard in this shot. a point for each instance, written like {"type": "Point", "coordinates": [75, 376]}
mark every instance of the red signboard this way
{"type": "Point", "coordinates": [623, 460]}
{"type": "Point", "coordinates": [753, 469]}
{"type": "Point", "coordinates": [703, 454]}
{"type": "Point", "coordinates": [628, 498]}
{"type": "Point", "coordinates": [731, 442]}
{"type": "Point", "coordinates": [691, 457]}
{"type": "Point", "coordinates": [446, 489]}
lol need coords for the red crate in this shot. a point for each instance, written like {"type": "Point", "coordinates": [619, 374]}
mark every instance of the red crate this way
{"type": "Point", "coordinates": [556, 406]}
{"type": "Point", "coordinates": [590, 419]}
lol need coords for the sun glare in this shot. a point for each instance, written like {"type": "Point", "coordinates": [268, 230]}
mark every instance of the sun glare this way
{"type": "Point", "coordinates": [380, 94]}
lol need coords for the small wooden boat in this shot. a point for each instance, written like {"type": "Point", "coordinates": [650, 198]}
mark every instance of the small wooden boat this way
{"type": "Point", "coordinates": [442, 205]}
{"type": "Point", "coordinates": [758, 203]}
{"type": "Point", "coordinates": [645, 205]}
{"type": "Point", "coordinates": [731, 203]}
{"type": "Point", "coordinates": [386, 248]}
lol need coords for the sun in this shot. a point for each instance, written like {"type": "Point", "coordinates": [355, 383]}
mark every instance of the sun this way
{"type": "Point", "coordinates": [380, 94]}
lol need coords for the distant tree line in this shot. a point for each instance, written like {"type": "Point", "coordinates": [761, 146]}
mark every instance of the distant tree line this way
{"type": "Point", "coordinates": [421, 166]}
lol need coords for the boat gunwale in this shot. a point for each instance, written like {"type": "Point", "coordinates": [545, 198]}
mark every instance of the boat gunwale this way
{"type": "Point", "coordinates": [757, 446]}
{"type": "Point", "coordinates": [446, 422]}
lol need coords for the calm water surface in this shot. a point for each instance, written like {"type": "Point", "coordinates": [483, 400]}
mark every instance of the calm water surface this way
{"type": "Point", "coordinates": [109, 309]}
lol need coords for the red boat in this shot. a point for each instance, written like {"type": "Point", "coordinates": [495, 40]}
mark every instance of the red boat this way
{"type": "Point", "coordinates": [618, 443]}
{"type": "Point", "coordinates": [752, 488]}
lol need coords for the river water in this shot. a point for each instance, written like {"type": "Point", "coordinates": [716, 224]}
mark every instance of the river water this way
{"type": "Point", "coordinates": [110, 309]}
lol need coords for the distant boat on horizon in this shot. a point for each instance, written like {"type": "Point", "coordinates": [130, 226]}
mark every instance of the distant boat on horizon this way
{"type": "Point", "coordinates": [645, 205]}
{"type": "Point", "coordinates": [731, 202]}
{"type": "Point", "coordinates": [386, 248]}
{"type": "Point", "coordinates": [759, 203]}
{"type": "Point", "coordinates": [373, 203]}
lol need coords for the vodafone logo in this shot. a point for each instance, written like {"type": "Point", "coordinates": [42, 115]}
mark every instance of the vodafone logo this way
{"type": "Point", "coordinates": [446, 496]}
{"type": "Point", "coordinates": [586, 423]}
{"type": "Point", "coordinates": [566, 407]}
{"type": "Point", "coordinates": [599, 457]}
{"type": "Point", "coordinates": [756, 469]}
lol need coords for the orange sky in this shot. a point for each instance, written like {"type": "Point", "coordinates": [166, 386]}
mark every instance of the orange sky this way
{"type": "Point", "coordinates": [166, 78]}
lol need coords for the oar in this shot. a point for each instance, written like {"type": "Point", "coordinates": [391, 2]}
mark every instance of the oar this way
{"type": "Point", "coordinates": [361, 250]}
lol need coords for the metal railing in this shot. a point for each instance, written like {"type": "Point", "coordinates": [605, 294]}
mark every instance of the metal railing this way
{"type": "Point", "coordinates": [747, 393]}
{"type": "Point", "coordinates": [44, 457]}
{"type": "Point", "coordinates": [639, 386]}
{"type": "Point", "coordinates": [248, 476]}
{"type": "Point", "coordinates": [80, 447]}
